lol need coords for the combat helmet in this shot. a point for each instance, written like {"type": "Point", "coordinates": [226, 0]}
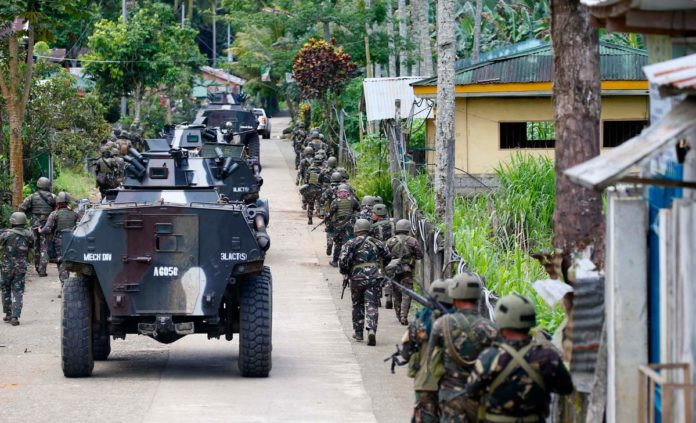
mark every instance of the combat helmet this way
{"type": "Point", "coordinates": [380, 210]}
{"type": "Point", "coordinates": [62, 198]}
{"type": "Point", "coordinates": [308, 151]}
{"type": "Point", "coordinates": [438, 290]}
{"type": "Point", "coordinates": [43, 183]}
{"type": "Point", "coordinates": [344, 187]}
{"type": "Point", "coordinates": [332, 162]}
{"type": "Point", "coordinates": [465, 286]}
{"type": "Point", "coordinates": [403, 226]}
{"type": "Point", "coordinates": [378, 199]}
{"type": "Point", "coordinates": [343, 172]}
{"type": "Point", "coordinates": [361, 225]}
{"type": "Point", "coordinates": [18, 219]}
{"type": "Point", "coordinates": [300, 125]}
{"type": "Point", "coordinates": [336, 177]}
{"type": "Point", "coordinates": [515, 312]}
{"type": "Point", "coordinates": [368, 200]}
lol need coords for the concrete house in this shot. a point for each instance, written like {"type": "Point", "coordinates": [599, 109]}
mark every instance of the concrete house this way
{"type": "Point", "coordinates": [504, 105]}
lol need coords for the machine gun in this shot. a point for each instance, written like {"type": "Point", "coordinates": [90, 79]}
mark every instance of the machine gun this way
{"type": "Point", "coordinates": [427, 300]}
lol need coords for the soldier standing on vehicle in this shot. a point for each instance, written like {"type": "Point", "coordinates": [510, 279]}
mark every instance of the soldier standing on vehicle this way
{"type": "Point", "coordinates": [39, 205]}
{"type": "Point", "coordinates": [415, 351]}
{"type": "Point", "coordinates": [517, 374]}
{"type": "Point", "coordinates": [405, 250]}
{"type": "Point", "coordinates": [60, 220]}
{"type": "Point", "coordinates": [106, 171]}
{"type": "Point", "coordinates": [366, 205]}
{"type": "Point", "coordinates": [361, 261]}
{"type": "Point", "coordinates": [15, 244]}
{"type": "Point", "coordinates": [455, 343]}
{"type": "Point", "coordinates": [341, 216]}
{"type": "Point", "coordinates": [312, 188]}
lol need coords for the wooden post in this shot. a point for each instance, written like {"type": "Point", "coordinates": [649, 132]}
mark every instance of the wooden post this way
{"type": "Point", "coordinates": [341, 138]}
{"type": "Point", "coordinates": [395, 158]}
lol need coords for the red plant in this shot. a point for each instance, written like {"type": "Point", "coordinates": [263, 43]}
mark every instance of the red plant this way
{"type": "Point", "coordinates": [321, 67]}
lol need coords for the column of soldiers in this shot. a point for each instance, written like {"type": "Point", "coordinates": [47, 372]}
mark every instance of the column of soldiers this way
{"type": "Point", "coordinates": [50, 218]}
{"type": "Point", "coordinates": [109, 168]}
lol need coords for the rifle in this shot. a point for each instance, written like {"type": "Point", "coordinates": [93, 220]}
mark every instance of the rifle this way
{"type": "Point", "coordinates": [394, 357]}
{"type": "Point", "coordinates": [320, 223]}
{"type": "Point", "coordinates": [427, 301]}
{"type": "Point", "coordinates": [345, 285]}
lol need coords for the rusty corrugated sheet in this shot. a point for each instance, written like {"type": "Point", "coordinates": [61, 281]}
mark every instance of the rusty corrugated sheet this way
{"type": "Point", "coordinates": [676, 74]}
{"type": "Point", "coordinates": [536, 65]}
{"type": "Point", "coordinates": [588, 319]}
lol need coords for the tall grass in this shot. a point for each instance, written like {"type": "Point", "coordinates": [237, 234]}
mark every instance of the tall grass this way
{"type": "Point", "coordinates": [495, 232]}
{"type": "Point", "coordinates": [372, 176]}
{"type": "Point", "coordinates": [76, 182]}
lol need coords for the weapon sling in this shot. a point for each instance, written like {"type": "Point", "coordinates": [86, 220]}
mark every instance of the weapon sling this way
{"type": "Point", "coordinates": [449, 344]}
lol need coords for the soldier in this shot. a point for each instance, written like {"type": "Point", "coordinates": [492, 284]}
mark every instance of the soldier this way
{"type": "Point", "coordinates": [341, 216]}
{"type": "Point", "coordinates": [120, 172]}
{"type": "Point", "coordinates": [106, 171]}
{"type": "Point", "coordinates": [405, 250]}
{"type": "Point", "coordinates": [312, 188]}
{"type": "Point", "coordinates": [325, 179]}
{"type": "Point", "coordinates": [298, 138]}
{"type": "Point", "coordinates": [361, 261]}
{"type": "Point", "coordinates": [60, 220]}
{"type": "Point", "coordinates": [304, 164]}
{"type": "Point", "coordinates": [327, 198]}
{"type": "Point", "coordinates": [415, 351]}
{"type": "Point", "coordinates": [15, 244]}
{"type": "Point", "coordinates": [383, 229]}
{"type": "Point", "coordinates": [317, 143]}
{"type": "Point", "coordinates": [456, 341]}
{"type": "Point", "coordinates": [368, 202]}
{"type": "Point", "coordinates": [39, 205]}
{"type": "Point", "coordinates": [518, 373]}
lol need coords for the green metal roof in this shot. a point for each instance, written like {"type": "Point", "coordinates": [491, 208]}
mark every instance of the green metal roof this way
{"type": "Point", "coordinates": [616, 63]}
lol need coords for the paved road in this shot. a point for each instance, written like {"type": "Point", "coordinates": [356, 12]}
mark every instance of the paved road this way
{"type": "Point", "coordinates": [319, 374]}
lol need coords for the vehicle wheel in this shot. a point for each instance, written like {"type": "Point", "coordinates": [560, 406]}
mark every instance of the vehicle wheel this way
{"type": "Point", "coordinates": [255, 147]}
{"type": "Point", "coordinates": [256, 320]}
{"type": "Point", "coordinates": [76, 328]}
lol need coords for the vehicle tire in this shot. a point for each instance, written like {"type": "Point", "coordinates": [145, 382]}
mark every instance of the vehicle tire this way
{"type": "Point", "coordinates": [76, 328]}
{"type": "Point", "coordinates": [256, 325]}
{"type": "Point", "coordinates": [101, 340]}
{"type": "Point", "coordinates": [255, 147]}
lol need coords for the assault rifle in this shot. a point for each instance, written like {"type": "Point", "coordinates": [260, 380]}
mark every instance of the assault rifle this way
{"type": "Point", "coordinates": [427, 300]}
{"type": "Point", "coordinates": [323, 221]}
{"type": "Point", "coordinates": [395, 361]}
{"type": "Point", "coordinates": [345, 285]}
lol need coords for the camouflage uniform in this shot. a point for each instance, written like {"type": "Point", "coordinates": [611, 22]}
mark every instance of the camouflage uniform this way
{"type": "Point", "coordinates": [519, 396]}
{"type": "Point", "coordinates": [455, 343]}
{"type": "Point", "coordinates": [425, 409]}
{"type": "Point", "coordinates": [366, 212]}
{"type": "Point", "coordinates": [106, 171]}
{"type": "Point", "coordinates": [304, 164]}
{"type": "Point", "coordinates": [313, 189]}
{"type": "Point", "coordinates": [361, 260]}
{"type": "Point", "coordinates": [408, 250]}
{"type": "Point", "coordinates": [327, 198]}
{"type": "Point", "coordinates": [15, 244]}
{"type": "Point", "coordinates": [298, 139]}
{"type": "Point", "coordinates": [59, 221]}
{"type": "Point", "coordinates": [341, 217]}
{"type": "Point", "coordinates": [383, 229]}
{"type": "Point", "coordinates": [317, 145]}
{"type": "Point", "coordinates": [40, 204]}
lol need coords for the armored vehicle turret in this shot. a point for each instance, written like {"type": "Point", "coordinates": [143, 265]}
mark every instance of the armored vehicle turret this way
{"type": "Point", "coordinates": [168, 255]}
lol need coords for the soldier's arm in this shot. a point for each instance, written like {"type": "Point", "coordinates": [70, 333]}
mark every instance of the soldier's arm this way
{"type": "Point", "coordinates": [415, 247]}
{"type": "Point", "coordinates": [384, 253]}
{"type": "Point", "coordinates": [482, 375]}
{"type": "Point", "coordinates": [343, 265]}
{"type": "Point", "coordinates": [26, 205]}
{"type": "Point", "coordinates": [486, 333]}
{"type": "Point", "coordinates": [50, 224]}
{"type": "Point", "coordinates": [556, 375]}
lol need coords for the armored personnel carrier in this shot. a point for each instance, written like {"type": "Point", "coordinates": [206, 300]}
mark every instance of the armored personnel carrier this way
{"type": "Point", "coordinates": [168, 255]}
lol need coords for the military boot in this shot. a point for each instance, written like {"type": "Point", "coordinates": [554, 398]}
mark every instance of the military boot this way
{"type": "Point", "coordinates": [14, 321]}
{"type": "Point", "coordinates": [333, 263]}
{"type": "Point", "coordinates": [371, 338]}
{"type": "Point", "coordinates": [390, 303]}
{"type": "Point", "coordinates": [329, 249]}
{"type": "Point", "coordinates": [358, 336]}
{"type": "Point", "coordinates": [7, 318]}
{"type": "Point", "coordinates": [309, 220]}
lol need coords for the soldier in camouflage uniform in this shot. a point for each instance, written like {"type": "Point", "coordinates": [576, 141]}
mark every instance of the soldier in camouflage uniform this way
{"type": "Point", "coordinates": [405, 250]}
{"type": "Point", "coordinates": [106, 171]}
{"type": "Point", "coordinates": [304, 164]}
{"type": "Point", "coordinates": [383, 229]}
{"type": "Point", "coordinates": [325, 179]}
{"type": "Point", "coordinates": [366, 205]}
{"type": "Point", "coordinates": [455, 343]}
{"type": "Point", "coordinates": [312, 187]}
{"type": "Point", "coordinates": [60, 220]}
{"type": "Point", "coordinates": [327, 198]}
{"type": "Point", "coordinates": [341, 216]}
{"type": "Point", "coordinates": [415, 351]}
{"type": "Point", "coordinates": [361, 261]}
{"type": "Point", "coordinates": [516, 376]}
{"type": "Point", "coordinates": [317, 143]}
{"type": "Point", "coordinates": [15, 244]}
{"type": "Point", "coordinates": [298, 138]}
{"type": "Point", "coordinates": [39, 205]}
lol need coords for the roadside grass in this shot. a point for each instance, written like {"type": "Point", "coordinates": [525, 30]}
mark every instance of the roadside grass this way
{"type": "Point", "coordinates": [78, 183]}
{"type": "Point", "coordinates": [372, 175]}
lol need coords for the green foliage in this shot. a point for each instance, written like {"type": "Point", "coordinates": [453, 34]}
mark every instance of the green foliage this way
{"type": "Point", "coordinates": [372, 174]}
{"type": "Point", "coordinates": [496, 232]}
{"type": "Point", "coordinates": [350, 100]}
{"type": "Point", "coordinates": [321, 68]}
{"type": "Point", "coordinates": [76, 182]}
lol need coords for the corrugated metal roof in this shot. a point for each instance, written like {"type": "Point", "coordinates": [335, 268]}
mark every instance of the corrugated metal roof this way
{"type": "Point", "coordinates": [645, 4]}
{"type": "Point", "coordinates": [588, 319]}
{"type": "Point", "coordinates": [223, 75]}
{"type": "Point", "coordinates": [677, 74]}
{"type": "Point", "coordinates": [616, 63]}
{"type": "Point", "coordinates": [381, 94]}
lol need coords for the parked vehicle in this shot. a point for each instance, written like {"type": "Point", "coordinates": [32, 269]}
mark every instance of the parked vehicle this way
{"type": "Point", "coordinates": [264, 122]}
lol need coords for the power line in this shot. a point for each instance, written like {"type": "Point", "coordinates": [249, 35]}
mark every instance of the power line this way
{"type": "Point", "coordinates": [63, 59]}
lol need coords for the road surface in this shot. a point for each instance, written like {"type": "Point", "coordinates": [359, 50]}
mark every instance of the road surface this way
{"type": "Point", "coordinates": [319, 374]}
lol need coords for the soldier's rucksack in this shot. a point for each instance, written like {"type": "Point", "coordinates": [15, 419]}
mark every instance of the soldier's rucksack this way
{"type": "Point", "coordinates": [313, 178]}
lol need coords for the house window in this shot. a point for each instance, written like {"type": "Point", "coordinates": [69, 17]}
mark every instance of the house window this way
{"type": "Point", "coordinates": [616, 132]}
{"type": "Point", "coordinates": [527, 135]}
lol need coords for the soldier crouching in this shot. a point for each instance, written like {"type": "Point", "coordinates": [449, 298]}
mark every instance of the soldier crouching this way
{"type": "Point", "coordinates": [361, 261]}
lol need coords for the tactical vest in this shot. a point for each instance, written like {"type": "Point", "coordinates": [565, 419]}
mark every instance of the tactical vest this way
{"type": "Point", "coordinates": [462, 326]}
{"type": "Point", "coordinates": [313, 176]}
{"type": "Point", "coordinates": [65, 219]}
{"type": "Point", "coordinates": [106, 166]}
{"type": "Point", "coordinates": [316, 145]}
{"type": "Point", "coordinates": [383, 229]}
{"type": "Point", "coordinates": [402, 250]}
{"type": "Point", "coordinates": [345, 207]}
{"type": "Point", "coordinates": [42, 204]}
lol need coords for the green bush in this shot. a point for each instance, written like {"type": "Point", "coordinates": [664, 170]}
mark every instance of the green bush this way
{"type": "Point", "coordinates": [372, 175]}
{"type": "Point", "coordinates": [76, 182]}
{"type": "Point", "coordinates": [495, 232]}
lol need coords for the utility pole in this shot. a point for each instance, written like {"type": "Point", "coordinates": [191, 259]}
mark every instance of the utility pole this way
{"type": "Point", "coordinates": [214, 33]}
{"type": "Point", "coordinates": [124, 99]}
{"type": "Point", "coordinates": [229, 50]}
{"type": "Point", "coordinates": [183, 10]}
